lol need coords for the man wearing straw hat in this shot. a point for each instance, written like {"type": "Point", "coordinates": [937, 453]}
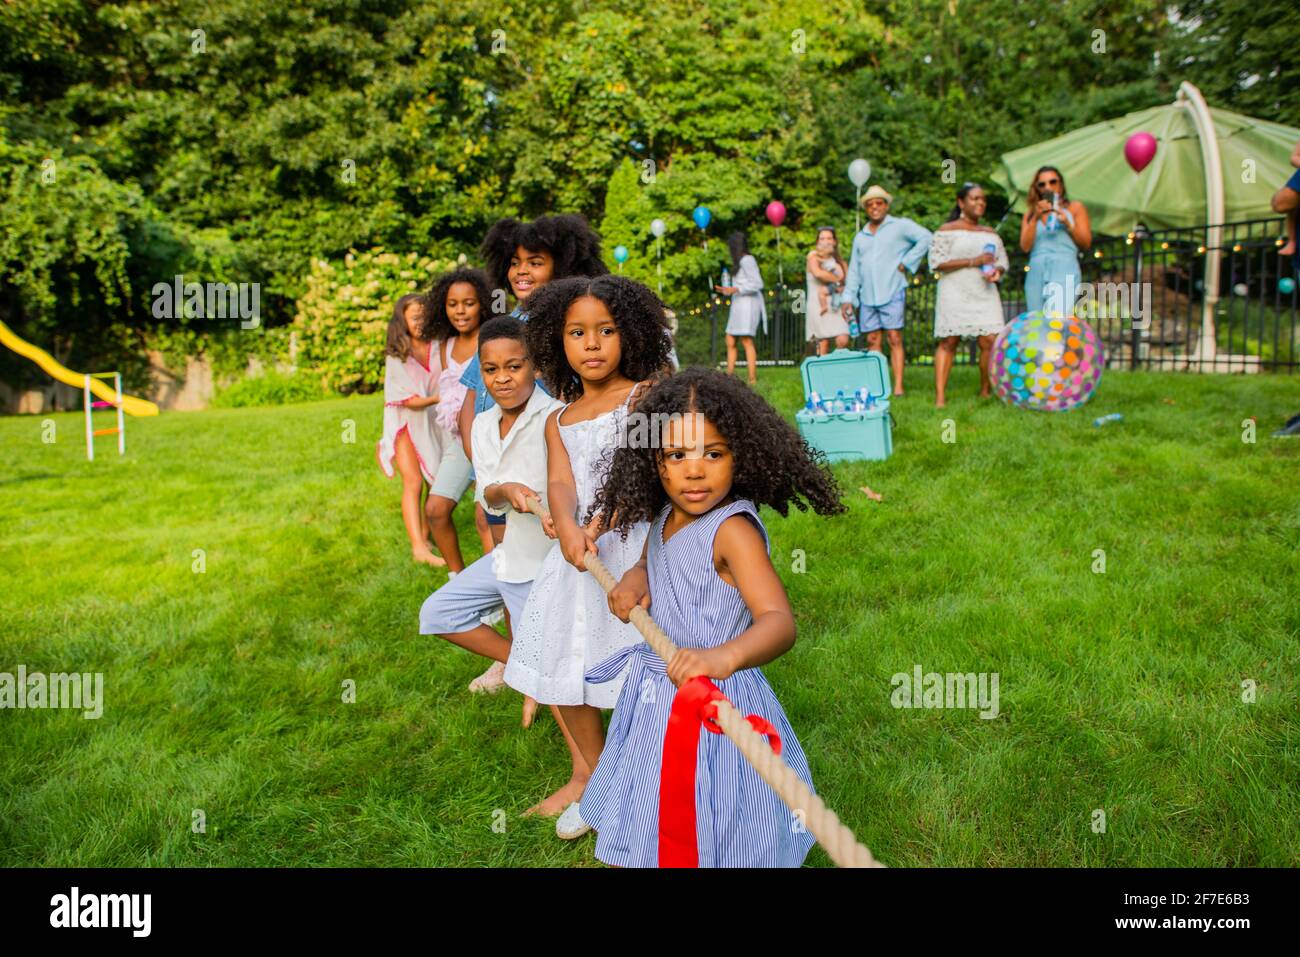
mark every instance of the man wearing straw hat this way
{"type": "Point", "coordinates": [884, 251]}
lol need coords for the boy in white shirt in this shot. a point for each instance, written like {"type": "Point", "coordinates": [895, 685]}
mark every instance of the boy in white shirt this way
{"type": "Point", "coordinates": [509, 445]}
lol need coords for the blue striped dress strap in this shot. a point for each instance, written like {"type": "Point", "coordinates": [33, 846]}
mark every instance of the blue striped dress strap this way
{"type": "Point", "coordinates": [741, 506]}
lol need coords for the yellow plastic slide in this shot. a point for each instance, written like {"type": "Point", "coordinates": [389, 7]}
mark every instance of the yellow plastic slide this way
{"type": "Point", "coordinates": [130, 404]}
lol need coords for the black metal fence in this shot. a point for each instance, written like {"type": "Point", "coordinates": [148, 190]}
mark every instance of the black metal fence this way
{"type": "Point", "coordinates": [1158, 277]}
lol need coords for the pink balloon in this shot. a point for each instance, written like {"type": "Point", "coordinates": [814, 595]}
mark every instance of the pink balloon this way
{"type": "Point", "coordinates": [1140, 150]}
{"type": "Point", "coordinates": [776, 212]}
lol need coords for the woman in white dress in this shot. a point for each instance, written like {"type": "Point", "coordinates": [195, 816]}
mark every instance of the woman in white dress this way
{"type": "Point", "coordinates": [969, 260]}
{"type": "Point", "coordinates": [411, 439]}
{"type": "Point", "coordinates": [825, 269]}
{"type": "Point", "coordinates": [748, 305]}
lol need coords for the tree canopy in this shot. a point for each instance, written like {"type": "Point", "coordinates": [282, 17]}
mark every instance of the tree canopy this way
{"type": "Point", "coordinates": [243, 141]}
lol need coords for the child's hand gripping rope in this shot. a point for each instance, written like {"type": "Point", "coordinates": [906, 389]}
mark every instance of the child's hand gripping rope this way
{"type": "Point", "coordinates": [720, 716]}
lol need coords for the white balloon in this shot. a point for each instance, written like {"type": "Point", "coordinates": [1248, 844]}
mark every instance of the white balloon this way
{"type": "Point", "coordinates": [859, 172]}
{"type": "Point", "coordinates": [657, 227]}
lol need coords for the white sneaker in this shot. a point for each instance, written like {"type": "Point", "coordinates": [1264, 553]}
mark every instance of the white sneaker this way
{"type": "Point", "coordinates": [571, 825]}
{"type": "Point", "coordinates": [490, 681]}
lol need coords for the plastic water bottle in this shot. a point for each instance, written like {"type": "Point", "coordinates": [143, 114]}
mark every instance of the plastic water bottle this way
{"type": "Point", "coordinates": [839, 404]}
{"type": "Point", "coordinates": [726, 276]}
{"type": "Point", "coordinates": [989, 268]}
{"type": "Point", "coordinates": [1113, 417]}
{"type": "Point", "coordinates": [854, 328]}
{"type": "Point", "coordinates": [1052, 221]}
{"type": "Point", "coordinates": [816, 406]}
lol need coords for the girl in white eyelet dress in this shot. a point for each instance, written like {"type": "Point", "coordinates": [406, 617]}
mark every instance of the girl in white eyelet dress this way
{"type": "Point", "coordinates": [551, 666]}
{"type": "Point", "coordinates": [596, 341]}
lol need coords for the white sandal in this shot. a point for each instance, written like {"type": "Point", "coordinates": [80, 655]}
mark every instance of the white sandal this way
{"type": "Point", "coordinates": [490, 681]}
{"type": "Point", "coordinates": [571, 825]}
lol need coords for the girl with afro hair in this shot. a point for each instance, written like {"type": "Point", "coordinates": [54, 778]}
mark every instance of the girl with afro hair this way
{"type": "Point", "coordinates": [716, 452]}
{"type": "Point", "coordinates": [595, 342]}
{"type": "Point", "coordinates": [524, 257]}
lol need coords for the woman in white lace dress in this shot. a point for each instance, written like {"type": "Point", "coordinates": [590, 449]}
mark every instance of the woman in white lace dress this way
{"type": "Point", "coordinates": [969, 260]}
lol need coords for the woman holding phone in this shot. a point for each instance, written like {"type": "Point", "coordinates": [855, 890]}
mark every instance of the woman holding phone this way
{"type": "Point", "coordinates": [1053, 231]}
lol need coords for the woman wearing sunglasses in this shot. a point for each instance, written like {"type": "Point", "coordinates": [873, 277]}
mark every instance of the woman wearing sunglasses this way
{"type": "Point", "coordinates": [1053, 231]}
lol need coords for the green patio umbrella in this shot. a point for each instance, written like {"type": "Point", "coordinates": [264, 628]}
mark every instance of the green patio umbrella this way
{"type": "Point", "coordinates": [1211, 167]}
{"type": "Point", "coordinates": [1171, 192]}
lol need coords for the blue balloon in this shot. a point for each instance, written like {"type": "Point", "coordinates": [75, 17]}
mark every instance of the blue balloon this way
{"type": "Point", "coordinates": [620, 253]}
{"type": "Point", "coordinates": [702, 216]}
{"type": "Point", "coordinates": [1287, 285]}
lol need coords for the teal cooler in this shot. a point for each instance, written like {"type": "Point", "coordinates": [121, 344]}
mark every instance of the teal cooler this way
{"type": "Point", "coordinates": [848, 436]}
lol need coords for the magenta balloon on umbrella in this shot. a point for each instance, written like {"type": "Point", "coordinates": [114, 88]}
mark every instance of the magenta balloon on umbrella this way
{"type": "Point", "coordinates": [1140, 150]}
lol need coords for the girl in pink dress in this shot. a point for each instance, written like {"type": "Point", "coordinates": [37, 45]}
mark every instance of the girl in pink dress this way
{"type": "Point", "coordinates": [411, 439]}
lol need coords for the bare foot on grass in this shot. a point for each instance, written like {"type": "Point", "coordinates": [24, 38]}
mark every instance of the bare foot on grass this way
{"type": "Point", "coordinates": [425, 556]}
{"type": "Point", "coordinates": [554, 805]}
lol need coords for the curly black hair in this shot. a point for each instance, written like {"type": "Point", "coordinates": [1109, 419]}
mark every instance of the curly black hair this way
{"type": "Point", "coordinates": [638, 313]}
{"type": "Point", "coordinates": [773, 464]}
{"type": "Point", "coordinates": [567, 239]}
{"type": "Point", "coordinates": [436, 324]}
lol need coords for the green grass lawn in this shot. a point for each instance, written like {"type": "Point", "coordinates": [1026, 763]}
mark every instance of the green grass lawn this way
{"type": "Point", "coordinates": [1119, 691]}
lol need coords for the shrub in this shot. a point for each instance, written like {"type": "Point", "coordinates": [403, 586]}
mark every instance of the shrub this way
{"type": "Point", "coordinates": [342, 319]}
{"type": "Point", "coordinates": [270, 388]}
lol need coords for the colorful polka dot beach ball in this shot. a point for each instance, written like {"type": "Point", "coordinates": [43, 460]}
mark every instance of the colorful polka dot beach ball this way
{"type": "Point", "coordinates": [1045, 363]}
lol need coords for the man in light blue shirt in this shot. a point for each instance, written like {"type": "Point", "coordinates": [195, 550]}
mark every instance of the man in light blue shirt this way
{"type": "Point", "coordinates": [884, 251]}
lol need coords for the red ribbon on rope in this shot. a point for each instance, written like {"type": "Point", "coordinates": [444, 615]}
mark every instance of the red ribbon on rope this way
{"type": "Point", "coordinates": [693, 706]}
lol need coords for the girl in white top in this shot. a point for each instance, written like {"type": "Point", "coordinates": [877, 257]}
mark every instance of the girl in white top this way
{"type": "Point", "coordinates": [411, 438]}
{"type": "Point", "coordinates": [748, 305]}
{"type": "Point", "coordinates": [594, 341]}
{"type": "Point", "coordinates": [825, 267]}
{"type": "Point", "coordinates": [967, 303]}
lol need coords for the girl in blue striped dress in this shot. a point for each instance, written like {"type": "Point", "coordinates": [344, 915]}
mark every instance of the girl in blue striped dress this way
{"type": "Point", "coordinates": [718, 451]}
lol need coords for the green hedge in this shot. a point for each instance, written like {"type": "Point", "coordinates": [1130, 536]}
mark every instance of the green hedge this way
{"type": "Point", "coordinates": [342, 319]}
